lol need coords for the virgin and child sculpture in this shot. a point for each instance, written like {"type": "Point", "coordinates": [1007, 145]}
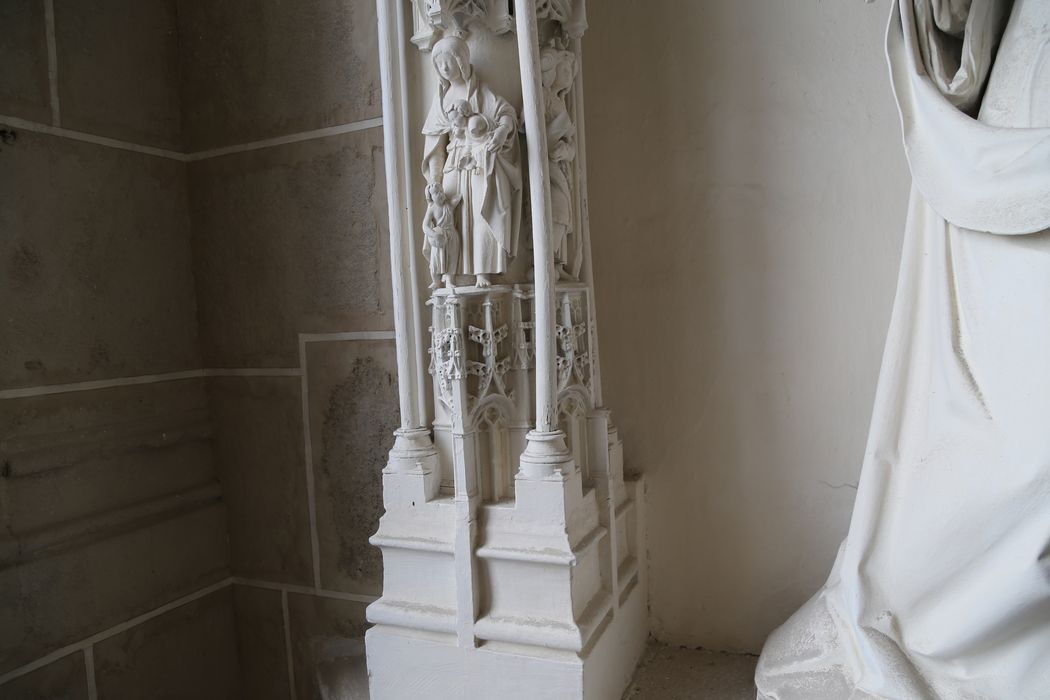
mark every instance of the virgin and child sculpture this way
{"type": "Point", "coordinates": [472, 165]}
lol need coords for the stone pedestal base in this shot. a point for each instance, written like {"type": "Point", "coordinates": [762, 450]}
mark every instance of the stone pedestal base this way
{"type": "Point", "coordinates": [407, 664]}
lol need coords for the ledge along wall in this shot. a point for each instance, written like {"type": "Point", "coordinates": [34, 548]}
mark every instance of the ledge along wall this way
{"type": "Point", "coordinates": [197, 383]}
{"type": "Point", "coordinates": [748, 192]}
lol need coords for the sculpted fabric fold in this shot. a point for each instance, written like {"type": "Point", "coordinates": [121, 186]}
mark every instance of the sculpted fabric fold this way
{"type": "Point", "coordinates": [976, 175]}
{"type": "Point", "coordinates": [941, 589]}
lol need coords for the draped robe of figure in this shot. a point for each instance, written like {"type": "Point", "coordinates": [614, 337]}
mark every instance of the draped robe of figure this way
{"type": "Point", "coordinates": [487, 184]}
{"type": "Point", "coordinates": [561, 139]}
{"type": "Point", "coordinates": [941, 589]}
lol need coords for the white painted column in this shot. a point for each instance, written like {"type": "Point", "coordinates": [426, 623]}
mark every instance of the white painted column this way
{"type": "Point", "coordinates": [546, 449]}
{"type": "Point", "coordinates": [539, 183]}
{"type": "Point", "coordinates": [418, 328]}
{"type": "Point", "coordinates": [413, 444]}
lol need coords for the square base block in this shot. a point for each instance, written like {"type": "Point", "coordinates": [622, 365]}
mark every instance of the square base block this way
{"type": "Point", "coordinates": [408, 665]}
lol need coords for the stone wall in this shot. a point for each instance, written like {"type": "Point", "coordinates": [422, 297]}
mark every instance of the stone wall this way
{"type": "Point", "coordinates": [290, 254]}
{"type": "Point", "coordinates": [109, 502]}
{"type": "Point", "coordinates": [198, 389]}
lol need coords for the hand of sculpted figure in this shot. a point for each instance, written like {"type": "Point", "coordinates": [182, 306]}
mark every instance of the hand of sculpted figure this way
{"type": "Point", "coordinates": [498, 138]}
{"type": "Point", "coordinates": [472, 154]}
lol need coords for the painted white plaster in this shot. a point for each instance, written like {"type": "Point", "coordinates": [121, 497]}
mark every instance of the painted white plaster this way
{"type": "Point", "coordinates": [510, 540]}
{"type": "Point", "coordinates": [747, 199]}
{"type": "Point", "coordinates": [940, 589]}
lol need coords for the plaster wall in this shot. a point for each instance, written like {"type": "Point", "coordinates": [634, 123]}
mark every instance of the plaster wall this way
{"type": "Point", "coordinates": [747, 198]}
{"type": "Point", "coordinates": [282, 111]}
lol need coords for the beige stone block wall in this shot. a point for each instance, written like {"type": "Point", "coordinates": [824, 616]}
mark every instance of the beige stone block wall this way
{"type": "Point", "coordinates": [59, 680]}
{"type": "Point", "coordinates": [328, 647]}
{"type": "Point", "coordinates": [258, 70]}
{"type": "Point", "coordinates": [350, 439]}
{"type": "Point", "coordinates": [24, 87]}
{"type": "Point", "coordinates": [189, 652]}
{"type": "Point", "coordinates": [200, 389]}
{"type": "Point", "coordinates": [261, 643]}
{"type": "Point", "coordinates": [97, 280]}
{"type": "Point", "coordinates": [74, 455]}
{"type": "Point", "coordinates": [118, 69]}
{"type": "Point", "coordinates": [259, 447]}
{"type": "Point", "coordinates": [110, 510]}
{"type": "Point", "coordinates": [290, 255]}
{"type": "Point", "coordinates": [289, 239]}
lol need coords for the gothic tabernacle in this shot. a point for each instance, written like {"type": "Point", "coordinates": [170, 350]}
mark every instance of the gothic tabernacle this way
{"type": "Point", "coordinates": [510, 537]}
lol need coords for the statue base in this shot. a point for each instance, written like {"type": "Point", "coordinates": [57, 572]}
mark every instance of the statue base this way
{"type": "Point", "coordinates": [416, 651]}
{"type": "Point", "coordinates": [406, 664]}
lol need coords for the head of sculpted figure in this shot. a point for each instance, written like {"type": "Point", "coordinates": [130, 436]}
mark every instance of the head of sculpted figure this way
{"type": "Point", "coordinates": [435, 194]}
{"type": "Point", "coordinates": [451, 58]}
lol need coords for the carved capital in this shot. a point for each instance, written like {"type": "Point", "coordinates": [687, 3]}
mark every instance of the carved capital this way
{"type": "Point", "coordinates": [434, 18]}
{"type": "Point", "coordinates": [570, 14]}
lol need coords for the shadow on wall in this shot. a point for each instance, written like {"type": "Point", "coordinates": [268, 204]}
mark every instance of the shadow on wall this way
{"type": "Point", "coordinates": [200, 388]}
{"type": "Point", "coordinates": [747, 199]}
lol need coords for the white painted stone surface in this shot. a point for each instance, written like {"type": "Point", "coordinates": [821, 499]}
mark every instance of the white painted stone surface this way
{"type": "Point", "coordinates": [748, 182]}
{"type": "Point", "coordinates": [511, 542]}
{"type": "Point", "coordinates": [940, 588]}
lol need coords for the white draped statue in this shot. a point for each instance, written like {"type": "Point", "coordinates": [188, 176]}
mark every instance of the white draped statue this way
{"type": "Point", "coordinates": [941, 590]}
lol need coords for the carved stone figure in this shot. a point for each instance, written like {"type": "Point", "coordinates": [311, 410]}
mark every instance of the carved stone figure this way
{"type": "Point", "coordinates": [558, 69]}
{"type": "Point", "coordinates": [441, 240]}
{"type": "Point", "coordinates": [941, 589]}
{"type": "Point", "coordinates": [472, 156]}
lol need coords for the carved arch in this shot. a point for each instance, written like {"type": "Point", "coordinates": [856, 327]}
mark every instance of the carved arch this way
{"type": "Point", "coordinates": [574, 408]}
{"type": "Point", "coordinates": [490, 422]}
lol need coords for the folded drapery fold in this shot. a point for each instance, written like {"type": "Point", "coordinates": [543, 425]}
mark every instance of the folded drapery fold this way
{"type": "Point", "coordinates": [980, 177]}
{"type": "Point", "coordinates": [941, 589]}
